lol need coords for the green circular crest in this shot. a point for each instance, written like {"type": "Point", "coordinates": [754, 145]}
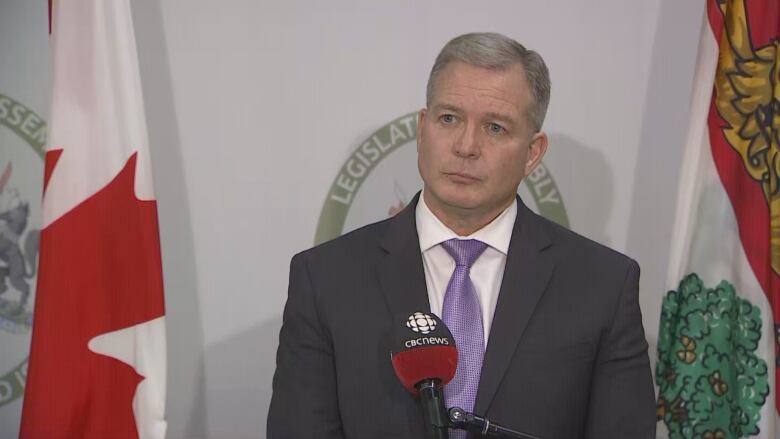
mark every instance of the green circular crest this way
{"type": "Point", "coordinates": [31, 128]}
{"type": "Point", "coordinates": [382, 143]}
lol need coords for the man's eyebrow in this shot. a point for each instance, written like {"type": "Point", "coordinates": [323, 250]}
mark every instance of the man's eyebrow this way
{"type": "Point", "coordinates": [446, 107]}
{"type": "Point", "coordinates": [489, 115]}
{"type": "Point", "coordinates": [500, 116]}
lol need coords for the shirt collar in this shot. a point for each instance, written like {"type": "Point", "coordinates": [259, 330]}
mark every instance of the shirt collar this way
{"type": "Point", "coordinates": [497, 234]}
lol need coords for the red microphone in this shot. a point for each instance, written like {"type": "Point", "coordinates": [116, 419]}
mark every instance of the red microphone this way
{"type": "Point", "coordinates": [425, 359]}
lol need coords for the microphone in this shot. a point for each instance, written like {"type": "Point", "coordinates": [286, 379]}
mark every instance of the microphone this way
{"type": "Point", "coordinates": [463, 420]}
{"type": "Point", "coordinates": [425, 358]}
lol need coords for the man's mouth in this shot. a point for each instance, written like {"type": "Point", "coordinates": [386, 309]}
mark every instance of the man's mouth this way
{"type": "Point", "coordinates": [461, 177]}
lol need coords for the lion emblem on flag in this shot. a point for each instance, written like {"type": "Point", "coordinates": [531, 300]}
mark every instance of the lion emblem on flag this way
{"type": "Point", "coordinates": [748, 99]}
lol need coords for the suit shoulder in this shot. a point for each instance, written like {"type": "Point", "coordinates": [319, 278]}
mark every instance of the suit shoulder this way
{"type": "Point", "coordinates": [584, 247]}
{"type": "Point", "coordinates": [354, 243]}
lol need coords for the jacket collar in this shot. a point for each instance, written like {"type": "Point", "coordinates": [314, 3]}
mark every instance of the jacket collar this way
{"type": "Point", "coordinates": [529, 267]}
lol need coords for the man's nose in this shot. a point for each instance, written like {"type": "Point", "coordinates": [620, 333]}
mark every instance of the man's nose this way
{"type": "Point", "coordinates": [467, 144]}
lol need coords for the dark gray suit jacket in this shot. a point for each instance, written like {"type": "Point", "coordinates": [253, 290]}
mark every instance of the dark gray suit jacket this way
{"type": "Point", "coordinates": [566, 355]}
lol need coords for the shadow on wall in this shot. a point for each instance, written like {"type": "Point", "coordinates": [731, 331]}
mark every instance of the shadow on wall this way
{"type": "Point", "coordinates": [249, 359]}
{"type": "Point", "coordinates": [586, 184]}
{"type": "Point", "coordinates": [186, 404]}
{"type": "Point", "coordinates": [656, 174]}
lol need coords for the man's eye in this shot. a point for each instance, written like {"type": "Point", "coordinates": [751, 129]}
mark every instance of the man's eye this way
{"type": "Point", "coordinates": [495, 128]}
{"type": "Point", "coordinates": [448, 118]}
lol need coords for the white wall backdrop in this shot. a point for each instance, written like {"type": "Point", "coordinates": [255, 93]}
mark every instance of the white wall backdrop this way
{"type": "Point", "coordinates": [254, 106]}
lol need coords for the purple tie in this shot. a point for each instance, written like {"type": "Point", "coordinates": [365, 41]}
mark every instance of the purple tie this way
{"type": "Point", "coordinates": [461, 313]}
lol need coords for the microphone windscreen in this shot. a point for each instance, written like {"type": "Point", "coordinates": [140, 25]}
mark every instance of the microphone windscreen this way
{"type": "Point", "coordinates": [423, 348]}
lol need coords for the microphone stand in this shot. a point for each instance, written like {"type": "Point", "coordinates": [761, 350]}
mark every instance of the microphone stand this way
{"type": "Point", "coordinates": [434, 413]}
{"type": "Point", "coordinates": [463, 420]}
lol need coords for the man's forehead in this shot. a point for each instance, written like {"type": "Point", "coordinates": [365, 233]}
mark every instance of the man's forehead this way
{"type": "Point", "coordinates": [500, 90]}
{"type": "Point", "coordinates": [456, 68]}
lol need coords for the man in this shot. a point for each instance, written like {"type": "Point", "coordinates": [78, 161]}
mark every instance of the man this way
{"type": "Point", "coordinates": [547, 323]}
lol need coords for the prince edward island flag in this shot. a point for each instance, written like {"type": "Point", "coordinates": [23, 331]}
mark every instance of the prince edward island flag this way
{"type": "Point", "coordinates": [717, 343]}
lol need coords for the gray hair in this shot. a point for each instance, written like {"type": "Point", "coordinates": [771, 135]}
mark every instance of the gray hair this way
{"type": "Point", "coordinates": [497, 52]}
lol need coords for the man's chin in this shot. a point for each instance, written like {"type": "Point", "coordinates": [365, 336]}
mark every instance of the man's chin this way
{"type": "Point", "coordinates": [463, 204]}
{"type": "Point", "coordinates": [455, 199]}
{"type": "Point", "coordinates": [466, 204]}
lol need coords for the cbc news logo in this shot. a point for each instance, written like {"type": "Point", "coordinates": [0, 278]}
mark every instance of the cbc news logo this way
{"type": "Point", "coordinates": [421, 323]}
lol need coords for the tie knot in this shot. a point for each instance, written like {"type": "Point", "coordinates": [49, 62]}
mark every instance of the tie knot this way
{"type": "Point", "coordinates": [464, 251]}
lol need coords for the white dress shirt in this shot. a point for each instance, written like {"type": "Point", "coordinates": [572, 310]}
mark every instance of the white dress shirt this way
{"type": "Point", "coordinates": [488, 269]}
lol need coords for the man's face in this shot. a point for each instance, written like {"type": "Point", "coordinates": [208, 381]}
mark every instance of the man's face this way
{"type": "Point", "coordinates": [475, 143]}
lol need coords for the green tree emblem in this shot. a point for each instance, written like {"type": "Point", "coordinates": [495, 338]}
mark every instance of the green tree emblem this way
{"type": "Point", "coordinates": [711, 383]}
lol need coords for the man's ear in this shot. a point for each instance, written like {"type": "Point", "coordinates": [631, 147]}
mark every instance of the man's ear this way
{"type": "Point", "coordinates": [536, 151]}
{"type": "Point", "coordinates": [420, 120]}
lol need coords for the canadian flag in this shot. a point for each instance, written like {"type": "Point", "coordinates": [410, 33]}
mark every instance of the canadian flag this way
{"type": "Point", "coordinates": [97, 360]}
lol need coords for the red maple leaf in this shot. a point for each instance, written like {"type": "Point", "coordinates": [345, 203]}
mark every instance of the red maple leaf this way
{"type": "Point", "coordinates": [100, 271]}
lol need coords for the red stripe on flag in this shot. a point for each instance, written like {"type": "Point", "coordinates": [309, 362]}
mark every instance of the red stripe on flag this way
{"type": "Point", "coordinates": [715, 18]}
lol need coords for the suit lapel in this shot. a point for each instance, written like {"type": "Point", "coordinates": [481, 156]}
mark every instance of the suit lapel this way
{"type": "Point", "coordinates": [400, 273]}
{"type": "Point", "coordinates": [528, 270]}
